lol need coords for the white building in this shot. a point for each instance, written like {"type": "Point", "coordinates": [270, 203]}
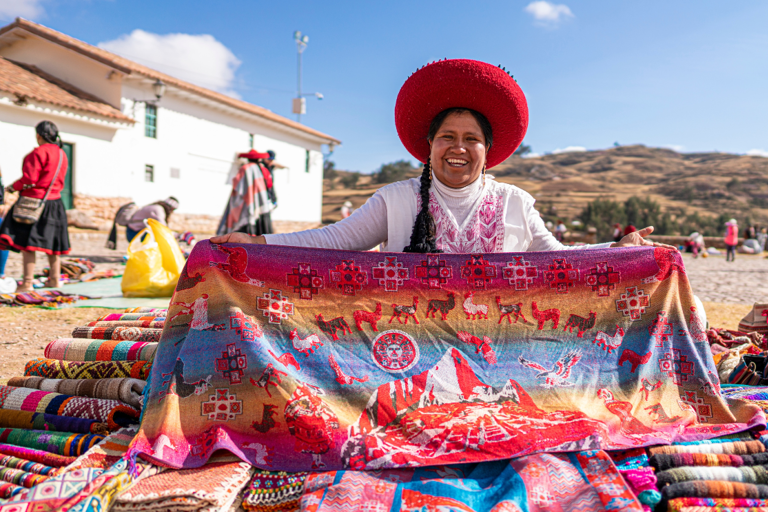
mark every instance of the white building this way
{"type": "Point", "coordinates": [125, 143]}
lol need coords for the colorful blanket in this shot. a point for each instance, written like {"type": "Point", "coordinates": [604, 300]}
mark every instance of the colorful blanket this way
{"type": "Point", "coordinates": [8, 489]}
{"type": "Point", "coordinates": [118, 333]}
{"type": "Point", "coordinates": [114, 317]}
{"type": "Point", "coordinates": [57, 369]}
{"type": "Point", "coordinates": [124, 389]}
{"type": "Point", "coordinates": [41, 456]}
{"type": "Point", "coordinates": [296, 358]}
{"type": "Point", "coordinates": [157, 311]}
{"type": "Point", "coordinates": [43, 421]}
{"type": "Point", "coordinates": [45, 298]}
{"type": "Point", "coordinates": [150, 323]}
{"type": "Point", "coordinates": [78, 349]}
{"type": "Point", "coordinates": [20, 477]}
{"type": "Point", "coordinates": [58, 443]}
{"type": "Point", "coordinates": [9, 461]}
{"type": "Point", "coordinates": [112, 412]}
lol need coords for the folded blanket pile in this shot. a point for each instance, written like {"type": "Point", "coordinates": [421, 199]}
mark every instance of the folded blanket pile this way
{"type": "Point", "coordinates": [58, 443]}
{"type": "Point", "coordinates": [44, 421]}
{"type": "Point", "coordinates": [119, 333]}
{"type": "Point", "coordinates": [77, 349]}
{"type": "Point", "coordinates": [57, 369]}
{"type": "Point", "coordinates": [126, 390]}
{"type": "Point", "coordinates": [150, 323]}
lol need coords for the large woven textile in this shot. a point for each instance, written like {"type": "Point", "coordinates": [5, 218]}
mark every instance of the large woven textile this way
{"type": "Point", "coordinates": [296, 359]}
{"type": "Point", "coordinates": [42, 421]}
{"type": "Point", "coordinates": [118, 333]}
{"type": "Point", "coordinates": [124, 389]}
{"type": "Point", "coordinates": [77, 349]}
{"type": "Point", "coordinates": [58, 443]}
{"type": "Point", "coordinates": [58, 369]}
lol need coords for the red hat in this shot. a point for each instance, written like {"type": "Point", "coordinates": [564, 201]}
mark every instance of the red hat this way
{"type": "Point", "coordinates": [462, 83]}
{"type": "Point", "coordinates": [253, 155]}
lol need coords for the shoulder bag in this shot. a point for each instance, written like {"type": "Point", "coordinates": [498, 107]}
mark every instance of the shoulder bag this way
{"type": "Point", "coordinates": [27, 210]}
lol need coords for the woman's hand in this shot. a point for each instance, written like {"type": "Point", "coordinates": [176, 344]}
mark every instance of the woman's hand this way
{"type": "Point", "coordinates": [239, 238]}
{"type": "Point", "coordinates": [637, 238]}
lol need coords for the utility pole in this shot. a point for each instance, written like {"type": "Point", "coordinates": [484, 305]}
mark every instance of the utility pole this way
{"type": "Point", "coordinates": [300, 103]}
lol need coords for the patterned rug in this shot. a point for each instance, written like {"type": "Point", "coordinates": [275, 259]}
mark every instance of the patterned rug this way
{"type": "Point", "coordinates": [115, 317]}
{"type": "Point", "coordinates": [150, 323]}
{"type": "Point", "coordinates": [369, 360]}
{"type": "Point", "coordinates": [123, 389]}
{"type": "Point", "coordinates": [41, 456]}
{"type": "Point", "coordinates": [57, 369]}
{"type": "Point", "coordinates": [58, 443]}
{"type": "Point", "coordinates": [42, 421]}
{"type": "Point", "coordinates": [10, 461]}
{"type": "Point", "coordinates": [118, 333]}
{"type": "Point", "coordinates": [44, 298]}
{"type": "Point", "coordinates": [78, 349]}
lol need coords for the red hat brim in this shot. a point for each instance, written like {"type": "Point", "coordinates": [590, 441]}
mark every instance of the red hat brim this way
{"type": "Point", "coordinates": [468, 84]}
{"type": "Point", "coordinates": [253, 155]}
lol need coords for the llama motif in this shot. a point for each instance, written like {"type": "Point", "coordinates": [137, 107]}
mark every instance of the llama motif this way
{"type": "Point", "coordinates": [177, 386]}
{"type": "Point", "coordinates": [507, 310]}
{"type": "Point", "coordinates": [334, 325]}
{"type": "Point", "coordinates": [660, 414]}
{"type": "Point", "coordinates": [634, 359]}
{"type": "Point", "coordinates": [341, 377]}
{"type": "Point", "coordinates": [271, 376]}
{"type": "Point", "coordinates": [607, 342]}
{"type": "Point", "coordinates": [580, 323]}
{"type": "Point", "coordinates": [443, 306]}
{"type": "Point", "coordinates": [267, 422]}
{"type": "Point", "coordinates": [307, 345]}
{"type": "Point", "coordinates": [481, 345]}
{"type": "Point", "coordinates": [646, 387]}
{"type": "Point", "coordinates": [370, 317]}
{"type": "Point", "coordinates": [473, 310]}
{"type": "Point", "coordinates": [286, 360]}
{"type": "Point", "coordinates": [409, 311]}
{"type": "Point", "coordinates": [543, 316]}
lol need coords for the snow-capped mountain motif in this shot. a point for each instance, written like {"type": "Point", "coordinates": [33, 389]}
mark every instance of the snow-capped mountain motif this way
{"type": "Point", "coordinates": [447, 414]}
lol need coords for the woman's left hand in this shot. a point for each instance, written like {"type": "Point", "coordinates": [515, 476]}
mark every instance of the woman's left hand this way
{"type": "Point", "coordinates": [637, 239]}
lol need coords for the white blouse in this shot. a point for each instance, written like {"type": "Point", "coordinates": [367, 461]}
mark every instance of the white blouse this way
{"type": "Point", "coordinates": [479, 218]}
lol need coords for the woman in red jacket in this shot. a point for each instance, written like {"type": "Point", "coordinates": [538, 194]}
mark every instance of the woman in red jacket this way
{"type": "Point", "coordinates": [49, 234]}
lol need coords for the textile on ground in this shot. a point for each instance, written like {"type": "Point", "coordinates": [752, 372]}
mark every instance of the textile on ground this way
{"type": "Point", "coordinates": [274, 490]}
{"type": "Point", "coordinates": [157, 311]}
{"type": "Point", "coordinates": [8, 489]}
{"type": "Point", "coordinates": [57, 369]}
{"type": "Point", "coordinates": [41, 456]}
{"type": "Point", "coordinates": [634, 466]}
{"type": "Point", "coordinates": [43, 421]}
{"type": "Point", "coordinates": [20, 477]}
{"type": "Point", "coordinates": [663, 462]}
{"type": "Point", "coordinates": [118, 333]}
{"type": "Point", "coordinates": [47, 298]}
{"type": "Point", "coordinates": [112, 412]}
{"type": "Point", "coordinates": [368, 360]}
{"type": "Point", "coordinates": [716, 504]}
{"type": "Point", "coordinates": [214, 486]}
{"type": "Point", "coordinates": [126, 390]}
{"type": "Point", "coordinates": [78, 349]}
{"type": "Point", "coordinates": [9, 461]}
{"type": "Point", "coordinates": [147, 324]}
{"type": "Point", "coordinates": [732, 448]}
{"type": "Point", "coordinates": [114, 317]}
{"type": "Point", "coordinates": [58, 443]}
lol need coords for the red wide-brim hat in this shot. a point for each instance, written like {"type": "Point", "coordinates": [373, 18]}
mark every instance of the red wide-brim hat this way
{"type": "Point", "coordinates": [253, 155]}
{"type": "Point", "coordinates": [467, 84]}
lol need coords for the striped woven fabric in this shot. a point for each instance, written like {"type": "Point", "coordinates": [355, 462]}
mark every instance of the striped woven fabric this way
{"type": "Point", "coordinates": [124, 389]}
{"type": "Point", "coordinates": [8, 489]}
{"type": "Point", "coordinates": [78, 349]}
{"type": "Point", "coordinates": [720, 504]}
{"type": "Point", "coordinates": [149, 324]}
{"type": "Point", "coordinates": [58, 369]}
{"type": "Point", "coordinates": [19, 477]}
{"type": "Point", "coordinates": [118, 333]}
{"type": "Point", "coordinates": [58, 443]}
{"type": "Point", "coordinates": [106, 453]}
{"type": "Point", "coordinates": [714, 489]}
{"type": "Point", "coordinates": [124, 317]}
{"type": "Point", "coordinates": [157, 311]}
{"type": "Point", "coordinates": [9, 461]}
{"type": "Point", "coordinates": [41, 456]}
{"type": "Point", "coordinates": [42, 421]}
{"type": "Point", "coordinates": [633, 466]}
{"type": "Point", "coordinates": [663, 462]}
{"type": "Point", "coordinates": [274, 490]}
{"type": "Point", "coordinates": [745, 474]}
{"type": "Point", "coordinates": [736, 448]}
{"type": "Point", "coordinates": [112, 412]}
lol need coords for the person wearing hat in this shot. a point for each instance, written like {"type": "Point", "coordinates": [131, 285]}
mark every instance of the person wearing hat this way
{"type": "Point", "coordinates": [160, 211]}
{"type": "Point", "coordinates": [346, 209]}
{"type": "Point", "coordinates": [249, 208]}
{"type": "Point", "coordinates": [459, 118]}
{"type": "Point", "coordinates": [731, 239]}
{"type": "Point", "coordinates": [271, 165]}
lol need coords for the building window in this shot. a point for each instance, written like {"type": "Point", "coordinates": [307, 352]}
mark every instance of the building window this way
{"type": "Point", "coordinates": [175, 172]}
{"type": "Point", "coordinates": [149, 173]}
{"type": "Point", "coordinates": [150, 121]}
{"type": "Point", "coordinates": [306, 163]}
{"type": "Point", "coordinates": [250, 140]}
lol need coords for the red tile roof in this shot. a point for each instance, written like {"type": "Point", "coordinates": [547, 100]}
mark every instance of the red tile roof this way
{"type": "Point", "coordinates": [130, 67]}
{"type": "Point", "coordinates": [28, 82]}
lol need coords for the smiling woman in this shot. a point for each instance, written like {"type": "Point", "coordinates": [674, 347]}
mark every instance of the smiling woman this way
{"type": "Point", "coordinates": [458, 117]}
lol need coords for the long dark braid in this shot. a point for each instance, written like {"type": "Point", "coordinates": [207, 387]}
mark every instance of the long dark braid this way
{"type": "Point", "coordinates": [423, 234]}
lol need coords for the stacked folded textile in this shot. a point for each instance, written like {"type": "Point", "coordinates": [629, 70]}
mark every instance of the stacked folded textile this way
{"type": "Point", "coordinates": [33, 455]}
{"type": "Point", "coordinates": [157, 311]}
{"type": "Point", "coordinates": [43, 421]}
{"type": "Point", "coordinates": [8, 489]}
{"type": "Point", "coordinates": [149, 322]}
{"type": "Point", "coordinates": [58, 443]}
{"type": "Point", "coordinates": [274, 490]}
{"type": "Point", "coordinates": [57, 369]}
{"type": "Point", "coordinates": [637, 472]}
{"type": "Point", "coordinates": [126, 390]}
{"type": "Point", "coordinates": [78, 349]}
{"type": "Point", "coordinates": [122, 317]}
{"type": "Point", "coordinates": [19, 477]}
{"type": "Point", "coordinates": [9, 461]}
{"type": "Point", "coordinates": [118, 333]}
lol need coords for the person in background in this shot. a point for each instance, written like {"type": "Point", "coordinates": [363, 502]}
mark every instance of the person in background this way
{"type": "Point", "coordinates": [346, 209]}
{"type": "Point", "coordinates": [629, 229]}
{"type": "Point", "coordinates": [249, 207]}
{"type": "Point", "coordinates": [731, 239]}
{"type": "Point", "coordinates": [696, 241]}
{"type": "Point", "coordinates": [617, 233]}
{"type": "Point", "coordinates": [160, 211]}
{"type": "Point", "coordinates": [560, 231]}
{"type": "Point", "coordinates": [271, 165]}
{"type": "Point", "coordinates": [3, 254]}
{"type": "Point", "coordinates": [762, 236]}
{"type": "Point", "coordinates": [49, 234]}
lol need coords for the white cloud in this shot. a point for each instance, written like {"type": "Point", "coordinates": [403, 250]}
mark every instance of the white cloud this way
{"type": "Point", "coordinates": [547, 13]}
{"type": "Point", "coordinates": [570, 149]}
{"type": "Point", "coordinates": [757, 152]}
{"type": "Point", "coordinates": [675, 147]}
{"type": "Point", "coordinates": [9, 9]}
{"type": "Point", "coordinates": [199, 59]}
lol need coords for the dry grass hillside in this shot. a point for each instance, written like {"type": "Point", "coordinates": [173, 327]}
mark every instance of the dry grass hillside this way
{"type": "Point", "coordinates": [708, 183]}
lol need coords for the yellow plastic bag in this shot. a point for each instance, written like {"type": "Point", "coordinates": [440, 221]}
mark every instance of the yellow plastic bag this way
{"type": "Point", "coordinates": [154, 263]}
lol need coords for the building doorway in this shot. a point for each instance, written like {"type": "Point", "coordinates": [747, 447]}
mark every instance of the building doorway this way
{"type": "Point", "coordinates": [67, 194]}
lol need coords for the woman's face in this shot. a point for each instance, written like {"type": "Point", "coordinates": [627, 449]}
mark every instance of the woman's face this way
{"type": "Point", "coordinates": [458, 150]}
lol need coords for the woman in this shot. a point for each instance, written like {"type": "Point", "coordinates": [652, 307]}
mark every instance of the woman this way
{"type": "Point", "coordinates": [160, 211]}
{"type": "Point", "coordinates": [458, 117]}
{"type": "Point", "coordinates": [731, 239]}
{"type": "Point", "coordinates": [249, 206]}
{"type": "Point", "coordinates": [49, 234]}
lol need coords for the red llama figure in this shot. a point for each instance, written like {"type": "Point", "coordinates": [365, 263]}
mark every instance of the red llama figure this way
{"type": "Point", "coordinates": [545, 315]}
{"type": "Point", "coordinates": [370, 317]}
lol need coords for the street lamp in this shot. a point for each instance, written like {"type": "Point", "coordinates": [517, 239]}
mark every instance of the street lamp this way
{"type": "Point", "coordinates": [300, 102]}
{"type": "Point", "coordinates": [159, 89]}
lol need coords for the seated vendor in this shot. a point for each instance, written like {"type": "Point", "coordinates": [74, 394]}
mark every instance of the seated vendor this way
{"type": "Point", "coordinates": [459, 118]}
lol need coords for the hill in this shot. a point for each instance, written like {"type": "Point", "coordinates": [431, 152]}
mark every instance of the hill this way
{"type": "Point", "coordinates": [710, 184]}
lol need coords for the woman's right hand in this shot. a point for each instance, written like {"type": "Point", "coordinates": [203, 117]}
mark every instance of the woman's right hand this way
{"type": "Point", "coordinates": [239, 238]}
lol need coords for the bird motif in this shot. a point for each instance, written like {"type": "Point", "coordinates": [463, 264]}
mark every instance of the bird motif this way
{"type": "Point", "coordinates": [557, 377]}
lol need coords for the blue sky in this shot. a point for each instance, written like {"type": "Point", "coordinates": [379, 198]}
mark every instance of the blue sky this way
{"type": "Point", "coordinates": [691, 75]}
